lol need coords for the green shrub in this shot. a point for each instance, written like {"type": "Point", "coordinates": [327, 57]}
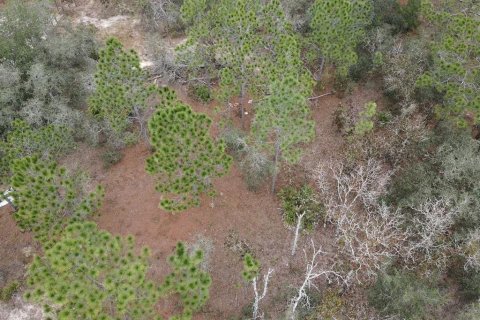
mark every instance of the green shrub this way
{"type": "Point", "coordinates": [296, 201]}
{"type": "Point", "coordinates": [403, 294]}
{"type": "Point", "coordinates": [365, 123]}
{"type": "Point", "coordinates": [200, 92]}
{"type": "Point", "coordinates": [330, 306]}
{"type": "Point", "coordinates": [7, 292]}
{"type": "Point", "coordinates": [403, 18]}
{"type": "Point", "coordinates": [470, 284]}
{"type": "Point", "coordinates": [111, 157]}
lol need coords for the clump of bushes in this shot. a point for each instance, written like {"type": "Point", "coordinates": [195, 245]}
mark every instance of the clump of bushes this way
{"type": "Point", "coordinates": [297, 201]}
{"type": "Point", "coordinates": [256, 167]}
{"type": "Point", "coordinates": [7, 292]}
{"type": "Point", "coordinates": [403, 294]}
{"type": "Point", "coordinates": [402, 18]}
{"type": "Point", "coordinates": [200, 92]}
{"type": "Point", "coordinates": [111, 157]}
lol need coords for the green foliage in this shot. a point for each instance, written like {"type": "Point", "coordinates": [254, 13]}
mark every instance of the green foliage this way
{"type": "Point", "coordinates": [49, 141]}
{"type": "Point", "coordinates": [235, 34]}
{"type": "Point", "coordinates": [48, 199]}
{"type": "Point", "coordinates": [22, 28]}
{"type": "Point", "coordinates": [456, 63]}
{"type": "Point", "coordinates": [405, 295]}
{"type": "Point", "coordinates": [470, 284]}
{"type": "Point", "coordinates": [7, 292]}
{"type": "Point", "coordinates": [338, 27]}
{"type": "Point", "coordinates": [188, 280]}
{"type": "Point", "coordinates": [185, 157]}
{"type": "Point", "coordinates": [365, 123]}
{"type": "Point", "coordinates": [201, 92]}
{"type": "Point", "coordinates": [111, 157]}
{"type": "Point", "coordinates": [282, 121]}
{"type": "Point", "coordinates": [330, 306]}
{"type": "Point", "coordinates": [91, 274]}
{"type": "Point", "coordinates": [121, 94]}
{"type": "Point", "coordinates": [450, 172]}
{"type": "Point", "coordinates": [296, 201]}
{"type": "Point", "coordinates": [45, 67]}
{"type": "Point", "coordinates": [402, 18]}
{"type": "Point", "coordinates": [251, 267]}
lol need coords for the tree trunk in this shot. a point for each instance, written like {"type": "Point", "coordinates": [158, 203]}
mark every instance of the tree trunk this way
{"type": "Point", "coordinates": [275, 164]}
{"type": "Point", "coordinates": [297, 232]}
{"type": "Point", "coordinates": [242, 98]}
{"type": "Point", "coordinates": [320, 73]}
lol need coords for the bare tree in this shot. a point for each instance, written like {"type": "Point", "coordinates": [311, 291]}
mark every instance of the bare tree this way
{"type": "Point", "coordinates": [431, 223]}
{"type": "Point", "coordinates": [298, 228]}
{"type": "Point", "coordinates": [313, 271]}
{"type": "Point", "coordinates": [368, 233]}
{"type": "Point", "coordinates": [257, 314]}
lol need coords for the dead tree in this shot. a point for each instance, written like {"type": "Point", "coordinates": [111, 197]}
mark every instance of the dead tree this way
{"type": "Point", "coordinates": [297, 231]}
{"type": "Point", "coordinates": [257, 314]}
{"type": "Point", "coordinates": [368, 232]}
{"type": "Point", "coordinates": [313, 271]}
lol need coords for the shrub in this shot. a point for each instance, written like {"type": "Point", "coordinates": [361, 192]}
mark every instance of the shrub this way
{"type": "Point", "coordinates": [161, 15]}
{"type": "Point", "coordinates": [235, 141]}
{"type": "Point", "coordinates": [256, 168]}
{"type": "Point", "coordinates": [472, 312]}
{"type": "Point", "coordinates": [403, 18]}
{"type": "Point", "coordinates": [403, 294]}
{"type": "Point", "coordinates": [111, 157]}
{"type": "Point", "coordinates": [200, 92]}
{"type": "Point", "coordinates": [364, 124]}
{"type": "Point", "coordinates": [46, 67]}
{"type": "Point", "coordinates": [330, 306]}
{"type": "Point", "coordinates": [470, 284]}
{"type": "Point", "coordinates": [296, 201]}
{"type": "Point", "coordinates": [7, 292]}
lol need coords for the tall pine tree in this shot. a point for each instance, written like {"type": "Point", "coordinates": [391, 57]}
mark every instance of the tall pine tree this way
{"type": "Point", "coordinates": [185, 158]}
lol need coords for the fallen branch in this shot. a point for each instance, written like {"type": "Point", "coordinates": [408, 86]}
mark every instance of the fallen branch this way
{"type": "Point", "coordinates": [322, 95]}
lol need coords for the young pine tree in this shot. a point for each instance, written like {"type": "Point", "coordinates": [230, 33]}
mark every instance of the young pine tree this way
{"type": "Point", "coordinates": [185, 157]}
{"type": "Point", "coordinates": [91, 274]}
{"type": "Point", "coordinates": [23, 141]}
{"type": "Point", "coordinates": [187, 280]}
{"type": "Point", "coordinates": [338, 26]}
{"type": "Point", "coordinates": [121, 93]}
{"type": "Point", "coordinates": [456, 59]}
{"type": "Point", "coordinates": [282, 122]}
{"type": "Point", "coordinates": [47, 199]}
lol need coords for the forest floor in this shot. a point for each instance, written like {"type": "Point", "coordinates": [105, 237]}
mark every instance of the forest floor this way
{"type": "Point", "coordinates": [224, 226]}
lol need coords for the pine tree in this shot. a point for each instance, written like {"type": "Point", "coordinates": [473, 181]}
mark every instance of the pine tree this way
{"type": "Point", "coordinates": [185, 157]}
{"type": "Point", "coordinates": [47, 198]}
{"type": "Point", "coordinates": [48, 141]}
{"type": "Point", "coordinates": [338, 26]}
{"type": "Point", "coordinates": [187, 280]}
{"type": "Point", "coordinates": [248, 39]}
{"type": "Point", "coordinates": [282, 121]}
{"type": "Point", "coordinates": [121, 93]}
{"type": "Point", "coordinates": [91, 274]}
{"type": "Point", "coordinates": [251, 268]}
{"type": "Point", "coordinates": [456, 59]}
